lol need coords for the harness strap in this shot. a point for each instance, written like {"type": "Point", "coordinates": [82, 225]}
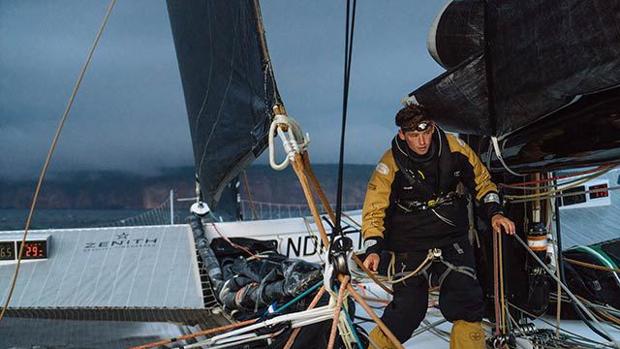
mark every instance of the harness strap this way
{"type": "Point", "coordinates": [433, 255]}
{"type": "Point", "coordinates": [422, 271]}
{"type": "Point", "coordinates": [414, 205]}
{"type": "Point", "coordinates": [460, 269]}
{"type": "Point", "coordinates": [426, 263]}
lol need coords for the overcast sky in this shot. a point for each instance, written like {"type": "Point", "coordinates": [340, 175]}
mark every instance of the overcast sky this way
{"type": "Point", "coordinates": [130, 113]}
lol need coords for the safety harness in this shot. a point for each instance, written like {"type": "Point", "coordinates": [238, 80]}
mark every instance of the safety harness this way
{"type": "Point", "coordinates": [406, 164]}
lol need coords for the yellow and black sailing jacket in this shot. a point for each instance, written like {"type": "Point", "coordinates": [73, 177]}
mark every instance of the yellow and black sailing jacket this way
{"type": "Point", "coordinates": [411, 201]}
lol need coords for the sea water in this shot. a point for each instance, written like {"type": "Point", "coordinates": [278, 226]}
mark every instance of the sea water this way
{"type": "Point", "coordinates": [15, 219]}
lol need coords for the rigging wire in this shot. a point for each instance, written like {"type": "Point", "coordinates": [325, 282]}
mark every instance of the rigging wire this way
{"type": "Point", "coordinates": [50, 152]}
{"type": "Point", "coordinates": [348, 48]}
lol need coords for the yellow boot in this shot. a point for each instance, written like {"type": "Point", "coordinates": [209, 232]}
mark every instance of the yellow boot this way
{"type": "Point", "coordinates": [467, 335]}
{"type": "Point", "coordinates": [380, 340]}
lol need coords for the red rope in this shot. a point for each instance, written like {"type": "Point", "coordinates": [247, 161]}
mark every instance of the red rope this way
{"type": "Point", "coordinates": [239, 247]}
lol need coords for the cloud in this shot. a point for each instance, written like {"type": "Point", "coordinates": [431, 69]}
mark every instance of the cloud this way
{"type": "Point", "coordinates": [130, 113]}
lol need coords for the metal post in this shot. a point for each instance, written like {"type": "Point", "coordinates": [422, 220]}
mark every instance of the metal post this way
{"type": "Point", "coordinates": [171, 206]}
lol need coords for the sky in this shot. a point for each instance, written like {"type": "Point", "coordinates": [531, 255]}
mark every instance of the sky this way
{"type": "Point", "coordinates": [129, 113]}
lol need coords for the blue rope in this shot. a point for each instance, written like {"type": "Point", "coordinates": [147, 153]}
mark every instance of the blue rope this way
{"type": "Point", "coordinates": [353, 331]}
{"type": "Point", "coordinates": [302, 295]}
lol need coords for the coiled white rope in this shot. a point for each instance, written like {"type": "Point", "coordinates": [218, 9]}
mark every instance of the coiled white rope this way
{"type": "Point", "coordinates": [293, 140]}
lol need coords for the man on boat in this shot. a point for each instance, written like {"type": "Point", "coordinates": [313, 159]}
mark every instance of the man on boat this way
{"type": "Point", "coordinates": [415, 208]}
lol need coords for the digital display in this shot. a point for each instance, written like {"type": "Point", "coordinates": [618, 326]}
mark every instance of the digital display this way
{"type": "Point", "coordinates": [7, 250]}
{"type": "Point", "coordinates": [599, 194]}
{"type": "Point", "coordinates": [574, 199]}
{"type": "Point", "coordinates": [34, 249]}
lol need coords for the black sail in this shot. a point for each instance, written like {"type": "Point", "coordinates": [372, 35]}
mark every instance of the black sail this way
{"type": "Point", "coordinates": [228, 84]}
{"type": "Point", "coordinates": [534, 62]}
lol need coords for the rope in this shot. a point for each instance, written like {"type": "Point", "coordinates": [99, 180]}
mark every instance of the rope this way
{"type": "Point", "coordinates": [576, 307]}
{"type": "Point", "coordinates": [558, 258]}
{"type": "Point", "coordinates": [552, 192]}
{"type": "Point", "coordinates": [496, 284]}
{"type": "Point", "coordinates": [596, 307]}
{"type": "Point", "coordinates": [592, 266]}
{"type": "Point", "coordinates": [554, 185]}
{"type": "Point", "coordinates": [374, 317]}
{"type": "Point", "coordinates": [195, 334]}
{"type": "Point", "coordinates": [291, 136]}
{"type": "Point", "coordinates": [425, 262]}
{"type": "Point", "coordinates": [602, 258]}
{"type": "Point", "coordinates": [295, 333]}
{"type": "Point", "coordinates": [300, 296]}
{"type": "Point", "coordinates": [576, 335]}
{"type": "Point", "coordinates": [555, 178]}
{"type": "Point", "coordinates": [501, 281]}
{"type": "Point", "coordinates": [231, 243]}
{"type": "Point", "coordinates": [370, 274]}
{"type": "Point", "coordinates": [581, 306]}
{"type": "Point", "coordinates": [50, 152]}
{"type": "Point", "coordinates": [345, 99]}
{"type": "Point", "coordinates": [576, 193]}
{"type": "Point", "coordinates": [354, 334]}
{"type": "Point", "coordinates": [336, 317]}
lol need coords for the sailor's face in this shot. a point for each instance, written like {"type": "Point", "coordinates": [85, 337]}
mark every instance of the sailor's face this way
{"type": "Point", "coordinates": [418, 142]}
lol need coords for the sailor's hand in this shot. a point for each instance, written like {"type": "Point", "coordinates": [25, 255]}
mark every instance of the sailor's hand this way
{"type": "Point", "coordinates": [499, 221]}
{"type": "Point", "coordinates": [372, 261]}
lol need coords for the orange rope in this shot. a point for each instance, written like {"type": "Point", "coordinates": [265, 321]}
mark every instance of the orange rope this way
{"type": "Point", "coordinates": [370, 274]}
{"type": "Point", "coordinates": [375, 318]}
{"type": "Point", "coordinates": [50, 152]}
{"type": "Point", "coordinates": [375, 299]}
{"type": "Point", "coordinates": [243, 248]}
{"type": "Point", "coordinates": [592, 266]}
{"type": "Point", "coordinates": [336, 319]}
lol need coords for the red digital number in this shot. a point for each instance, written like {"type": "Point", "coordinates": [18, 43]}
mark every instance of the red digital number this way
{"type": "Point", "coordinates": [33, 250]}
